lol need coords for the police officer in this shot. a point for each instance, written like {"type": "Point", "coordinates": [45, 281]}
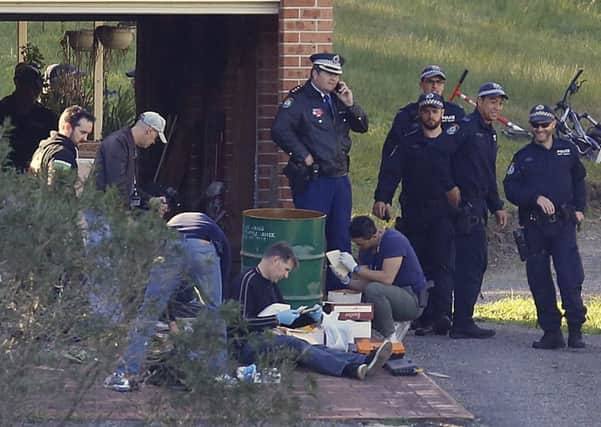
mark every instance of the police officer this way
{"type": "Point", "coordinates": [426, 217]}
{"type": "Point", "coordinates": [31, 121]}
{"type": "Point", "coordinates": [58, 152]}
{"type": "Point", "coordinates": [312, 126]}
{"type": "Point", "coordinates": [546, 181]}
{"type": "Point", "coordinates": [467, 170]}
{"type": "Point", "coordinates": [432, 80]}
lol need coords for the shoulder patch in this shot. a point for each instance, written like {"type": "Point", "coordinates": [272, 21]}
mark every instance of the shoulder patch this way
{"type": "Point", "coordinates": [61, 165]}
{"type": "Point", "coordinates": [287, 102]}
{"type": "Point", "coordinates": [511, 169]}
{"type": "Point", "coordinates": [452, 130]}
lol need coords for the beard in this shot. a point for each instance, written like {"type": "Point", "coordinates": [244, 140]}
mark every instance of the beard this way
{"type": "Point", "coordinates": [431, 124]}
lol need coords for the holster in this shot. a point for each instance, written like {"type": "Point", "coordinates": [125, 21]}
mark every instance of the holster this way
{"type": "Point", "coordinates": [299, 175]}
{"type": "Point", "coordinates": [465, 220]}
{"type": "Point", "coordinates": [520, 242]}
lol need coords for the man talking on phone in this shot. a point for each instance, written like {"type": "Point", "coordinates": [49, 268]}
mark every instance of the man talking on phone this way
{"type": "Point", "coordinates": [313, 125]}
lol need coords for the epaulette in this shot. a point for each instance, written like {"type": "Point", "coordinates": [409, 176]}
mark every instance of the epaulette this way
{"type": "Point", "coordinates": [295, 90]}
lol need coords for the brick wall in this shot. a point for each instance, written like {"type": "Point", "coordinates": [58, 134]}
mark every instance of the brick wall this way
{"type": "Point", "coordinates": [305, 27]}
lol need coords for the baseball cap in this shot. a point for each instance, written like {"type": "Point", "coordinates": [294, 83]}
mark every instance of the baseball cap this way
{"type": "Point", "coordinates": [430, 99]}
{"type": "Point", "coordinates": [330, 62]}
{"type": "Point", "coordinates": [28, 73]}
{"type": "Point", "coordinates": [541, 114]}
{"type": "Point", "coordinates": [155, 121]}
{"type": "Point", "coordinates": [431, 71]}
{"type": "Point", "coordinates": [491, 89]}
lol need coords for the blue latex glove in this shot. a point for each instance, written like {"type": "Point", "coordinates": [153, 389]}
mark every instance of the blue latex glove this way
{"type": "Point", "coordinates": [287, 317]}
{"type": "Point", "coordinates": [317, 314]}
{"type": "Point", "coordinates": [344, 279]}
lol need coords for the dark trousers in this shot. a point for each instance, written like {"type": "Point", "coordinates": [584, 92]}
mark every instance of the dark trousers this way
{"type": "Point", "coordinates": [470, 264]}
{"type": "Point", "coordinates": [434, 245]}
{"type": "Point", "coordinates": [333, 197]}
{"type": "Point", "coordinates": [557, 241]}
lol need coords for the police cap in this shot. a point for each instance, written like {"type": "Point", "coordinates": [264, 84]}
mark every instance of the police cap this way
{"type": "Point", "coordinates": [541, 114]}
{"type": "Point", "coordinates": [430, 100]}
{"type": "Point", "coordinates": [432, 71]}
{"type": "Point", "coordinates": [330, 62]}
{"type": "Point", "coordinates": [491, 89]}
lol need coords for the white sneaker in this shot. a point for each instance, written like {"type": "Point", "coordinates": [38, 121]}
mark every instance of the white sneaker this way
{"type": "Point", "coordinates": [400, 330]}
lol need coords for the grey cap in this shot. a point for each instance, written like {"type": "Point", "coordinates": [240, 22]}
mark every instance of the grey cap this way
{"type": "Point", "coordinates": [155, 121]}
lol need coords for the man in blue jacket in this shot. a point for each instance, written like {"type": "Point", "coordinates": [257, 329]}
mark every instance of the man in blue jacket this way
{"type": "Point", "coordinates": [546, 181]}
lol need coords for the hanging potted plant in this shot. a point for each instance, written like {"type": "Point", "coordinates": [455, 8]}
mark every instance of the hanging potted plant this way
{"type": "Point", "coordinates": [113, 37]}
{"type": "Point", "coordinates": [80, 40]}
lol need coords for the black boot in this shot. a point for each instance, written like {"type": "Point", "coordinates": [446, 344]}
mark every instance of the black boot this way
{"type": "Point", "coordinates": [551, 340]}
{"type": "Point", "coordinates": [575, 337]}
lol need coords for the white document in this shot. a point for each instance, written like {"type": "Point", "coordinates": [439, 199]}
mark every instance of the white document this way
{"type": "Point", "coordinates": [337, 266]}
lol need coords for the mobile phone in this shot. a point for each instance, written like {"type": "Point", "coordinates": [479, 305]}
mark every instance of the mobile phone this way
{"type": "Point", "coordinates": [338, 87]}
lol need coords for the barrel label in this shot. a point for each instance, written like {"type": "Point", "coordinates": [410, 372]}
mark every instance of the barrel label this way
{"type": "Point", "coordinates": [257, 232]}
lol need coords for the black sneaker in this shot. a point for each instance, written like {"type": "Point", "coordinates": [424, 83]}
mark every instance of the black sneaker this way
{"type": "Point", "coordinates": [442, 325]}
{"type": "Point", "coordinates": [471, 331]}
{"type": "Point", "coordinates": [550, 340]}
{"type": "Point", "coordinates": [424, 328]}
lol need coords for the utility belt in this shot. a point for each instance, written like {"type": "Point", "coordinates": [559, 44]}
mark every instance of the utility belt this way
{"type": "Point", "coordinates": [562, 214]}
{"type": "Point", "coordinates": [300, 175]}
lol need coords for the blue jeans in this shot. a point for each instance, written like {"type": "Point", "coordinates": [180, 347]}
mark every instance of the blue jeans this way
{"type": "Point", "coordinates": [318, 358]}
{"type": "Point", "coordinates": [192, 261]}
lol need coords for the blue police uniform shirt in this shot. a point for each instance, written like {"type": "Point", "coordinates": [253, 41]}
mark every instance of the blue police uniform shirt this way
{"type": "Point", "coordinates": [201, 226]}
{"type": "Point", "coordinates": [556, 173]}
{"type": "Point", "coordinates": [411, 162]}
{"type": "Point", "coordinates": [394, 244]}
{"type": "Point", "coordinates": [407, 120]}
{"type": "Point", "coordinates": [468, 160]}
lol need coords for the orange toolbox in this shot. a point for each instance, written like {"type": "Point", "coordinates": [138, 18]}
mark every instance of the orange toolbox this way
{"type": "Point", "coordinates": [365, 346]}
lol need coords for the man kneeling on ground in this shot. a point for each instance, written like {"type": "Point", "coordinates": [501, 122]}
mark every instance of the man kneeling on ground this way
{"type": "Point", "coordinates": [256, 289]}
{"type": "Point", "coordinates": [389, 274]}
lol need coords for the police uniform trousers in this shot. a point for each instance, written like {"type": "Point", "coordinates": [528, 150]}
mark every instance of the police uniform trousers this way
{"type": "Point", "coordinates": [470, 264]}
{"type": "Point", "coordinates": [557, 241]}
{"type": "Point", "coordinates": [434, 245]}
{"type": "Point", "coordinates": [333, 197]}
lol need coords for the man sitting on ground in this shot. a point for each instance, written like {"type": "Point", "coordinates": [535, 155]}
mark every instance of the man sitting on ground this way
{"type": "Point", "coordinates": [389, 274]}
{"type": "Point", "coordinates": [256, 289]}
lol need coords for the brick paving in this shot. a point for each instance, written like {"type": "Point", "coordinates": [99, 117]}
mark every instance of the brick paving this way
{"type": "Point", "coordinates": [380, 397]}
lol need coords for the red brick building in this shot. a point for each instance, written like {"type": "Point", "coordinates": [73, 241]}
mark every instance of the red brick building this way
{"type": "Point", "coordinates": [219, 69]}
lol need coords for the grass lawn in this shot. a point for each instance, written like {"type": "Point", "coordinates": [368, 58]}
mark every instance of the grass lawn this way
{"type": "Point", "coordinates": [531, 47]}
{"type": "Point", "coordinates": [521, 311]}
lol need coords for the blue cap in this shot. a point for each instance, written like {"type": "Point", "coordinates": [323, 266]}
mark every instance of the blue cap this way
{"type": "Point", "coordinates": [431, 71]}
{"type": "Point", "coordinates": [430, 100]}
{"type": "Point", "coordinates": [541, 114]}
{"type": "Point", "coordinates": [330, 62]}
{"type": "Point", "coordinates": [491, 89]}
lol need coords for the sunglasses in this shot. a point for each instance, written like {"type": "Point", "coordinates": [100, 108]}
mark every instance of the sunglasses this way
{"type": "Point", "coordinates": [540, 125]}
